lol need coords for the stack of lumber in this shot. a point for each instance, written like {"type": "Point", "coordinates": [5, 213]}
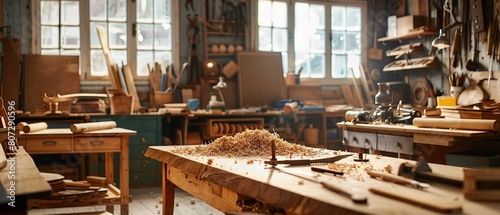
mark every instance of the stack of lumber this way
{"type": "Point", "coordinates": [75, 193]}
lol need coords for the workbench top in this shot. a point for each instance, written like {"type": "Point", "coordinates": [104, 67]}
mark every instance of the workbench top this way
{"type": "Point", "coordinates": [251, 177]}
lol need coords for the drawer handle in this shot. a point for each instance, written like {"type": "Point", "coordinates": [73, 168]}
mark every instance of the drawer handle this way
{"type": "Point", "coordinates": [367, 141]}
{"type": "Point", "coordinates": [144, 164]}
{"type": "Point", "coordinates": [96, 142]}
{"type": "Point", "coordinates": [49, 143]}
{"type": "Point", "coordinates": [355, 139]}
{"type": "Point", "coordinates": [399, 145]}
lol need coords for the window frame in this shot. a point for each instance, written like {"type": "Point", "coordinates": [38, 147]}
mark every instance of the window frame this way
{"type": "Point", "coordinates": [327, 80]}
{"type": "Point", "coordinates": [85, 77]}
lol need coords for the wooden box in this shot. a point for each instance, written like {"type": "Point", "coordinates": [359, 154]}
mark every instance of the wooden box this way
{"type": "Point", "coordinates": [407, 23]}
{"type": "Point", "coordinates": [158, 98]}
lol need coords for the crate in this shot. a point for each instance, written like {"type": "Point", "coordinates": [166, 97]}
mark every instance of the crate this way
{"type": "Point", "coordinates": [473, 159]}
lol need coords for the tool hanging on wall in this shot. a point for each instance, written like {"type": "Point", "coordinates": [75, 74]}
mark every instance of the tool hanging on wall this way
{"type": "Point", "coordinates": [192, 33]}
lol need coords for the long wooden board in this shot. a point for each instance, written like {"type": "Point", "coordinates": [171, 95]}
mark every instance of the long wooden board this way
{"type": "Point", "coordinates": [132, 90]}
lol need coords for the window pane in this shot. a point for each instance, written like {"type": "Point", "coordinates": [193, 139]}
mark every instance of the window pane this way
{"type": "Point", "coordinates": [117, 35]}
{"type": "Point", "coordinates": [338, 18]}
{"type": "Point", "coordinates": [353, 61]}
{"type": "Point", "coordinates": [339, 66]}
{"type": "Point", "coordinates": [70, 37]}
{"type": "Point", "coordinates": [163, 38]}
{"type": "Point", "coordinates": [279, 13]}
{"type": "Point", "coordinates": [163, 11]}
{"type": "Point", "coordinates": [265, 37]}
{"type": "Point", "coordinates": [144, 36]}
{"type": "Point", "coordinates": [119, 56]}
{"type": "Point", "coordinates": [317, 66]}
{"type": "Point", "coordinates": [338, 41]}
{"type": "Point", "coordinates": [50, 37]}
{"type": "Point", "coordinates": [163, 56]}
{"type": "Point", "coordinates": [280, 40]}
{"type": "Point", "coordinates": [71, 52]}
{"type": "Point", "coordinates": [144, 58]}
{"type": "Point", "coordinates": [354, 21]}
{"type": "Point", "coordinates": [49, 12]}
{"type": "Point", "coordinates": [317, 42]}
{"type": "Point", "coordinates": [117, 10]}
{"type": "Point", "coordinates": [317, 16]}
{"type": "Point", "coordinates": [98, 9]}
{"type": "Point", "coordinates": [353, 42]}
{"type": "Point", "coordinates": [264, 14]}
{"type": "Point", "coordinates": [94, 38]}
{"type": "Point", "coordinates": [144, 10]}
{"type": "Point", "coordinates": [98, 66]}
{"type": "Point", "coordinates": [70, 13]}
{"type": "Point", "coordinates": [50, 52]}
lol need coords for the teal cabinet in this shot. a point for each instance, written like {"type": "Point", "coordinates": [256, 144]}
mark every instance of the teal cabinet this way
{"type": "Point", "coordinates": [144, 172]}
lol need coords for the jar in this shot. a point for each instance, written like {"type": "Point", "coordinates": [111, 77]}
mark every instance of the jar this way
{"type": "Point", "coordinates": [382, 97]}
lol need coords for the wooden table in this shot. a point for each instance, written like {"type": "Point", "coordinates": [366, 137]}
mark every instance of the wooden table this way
{"type": "Point", "coordinates": [62, 141]}
{"type": "Point", "coordinates": [228, 181]}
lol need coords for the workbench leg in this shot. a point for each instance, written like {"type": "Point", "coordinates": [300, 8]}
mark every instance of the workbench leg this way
{"type": "Point", "coordinates": [168, 191]}
{"type": "Point", "coordinates": [108, 169]}
{"type": "Point", "coordinates": [124, 173]}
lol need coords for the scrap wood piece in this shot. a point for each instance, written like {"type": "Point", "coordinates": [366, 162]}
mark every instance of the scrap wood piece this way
{"type": "Point", "coordinates": [359, 96]}
{"type": "Point", "coordinates": [348, 95]}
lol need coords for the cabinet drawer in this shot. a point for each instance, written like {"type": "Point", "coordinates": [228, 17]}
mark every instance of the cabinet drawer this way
{"type": "Point", "coordinates": [105, 144]}
{"type": "Point", "coordinates": [143, 165]}
{"type": "Point", "coordinates": [144, 138]}
{"type": "Point", "coordinates": [49, 145]}
{"type": "Point", "coordinates": [396, 144]}
{"type": "Point", "coordinates": [361, 140]}
{"type": "Point", "coordinates": [137, 152]}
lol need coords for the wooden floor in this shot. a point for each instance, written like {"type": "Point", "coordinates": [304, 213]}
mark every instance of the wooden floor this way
{"type": "Point", "coordinates": [145, 201]}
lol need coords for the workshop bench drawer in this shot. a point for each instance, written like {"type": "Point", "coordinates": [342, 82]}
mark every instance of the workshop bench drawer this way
{"type": "Point", "coordinates": [396, 144]}
{"type": "Point", "coordinates": [361, 140]}
{"type": "Point", "coordinates": [86, 144]}
{"type": "Point", "coordinates": [48, 145]}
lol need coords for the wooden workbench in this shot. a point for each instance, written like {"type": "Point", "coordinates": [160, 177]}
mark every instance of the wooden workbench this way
{"type": "Point", "coordinates": [228, 181]}
{"type": "Point", "coordinates": [62, 141]}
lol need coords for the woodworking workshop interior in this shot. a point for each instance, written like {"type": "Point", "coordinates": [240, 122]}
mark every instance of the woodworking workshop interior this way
{"type": "Point", "coordinates": [249, 107]}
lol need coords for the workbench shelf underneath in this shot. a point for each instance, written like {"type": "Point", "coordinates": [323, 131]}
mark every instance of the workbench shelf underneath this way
{"type": "Point", "coordinates": [111, 198]}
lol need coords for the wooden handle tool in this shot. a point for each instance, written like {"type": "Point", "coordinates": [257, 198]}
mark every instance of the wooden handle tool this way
{"type": "Point", "coordinates": [397, 179]}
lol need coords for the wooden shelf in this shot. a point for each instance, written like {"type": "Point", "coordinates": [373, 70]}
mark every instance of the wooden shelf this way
{"type": "Point", "coordinates": [413, 34]}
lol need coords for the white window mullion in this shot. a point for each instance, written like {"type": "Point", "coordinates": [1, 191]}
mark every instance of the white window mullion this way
{"type": "Point", "coordinates": [328, 41]}
{"type": "Point", "coordinates": [131, 40]}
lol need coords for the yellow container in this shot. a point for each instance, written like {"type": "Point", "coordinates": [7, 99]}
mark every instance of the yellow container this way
{"type": "Point", "coordinates": [446, 101]}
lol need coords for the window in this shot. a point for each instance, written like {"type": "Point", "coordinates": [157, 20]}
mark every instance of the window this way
{"type": "Point", "coordinates": [61, 29]}
{"type": "Point", "coordinates": [326, 37]}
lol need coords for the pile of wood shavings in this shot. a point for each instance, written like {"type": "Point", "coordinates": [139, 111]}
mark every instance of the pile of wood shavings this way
{"type": "Point", "coordinates": [255, 142]}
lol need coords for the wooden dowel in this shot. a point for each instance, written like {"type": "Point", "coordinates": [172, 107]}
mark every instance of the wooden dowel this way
{"type": "Point", "coordinates": [467, 124]}
{"type": "Point", "coordinates": [92, 126]}
{"type": "Point", "coordinates": [26, 128]}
